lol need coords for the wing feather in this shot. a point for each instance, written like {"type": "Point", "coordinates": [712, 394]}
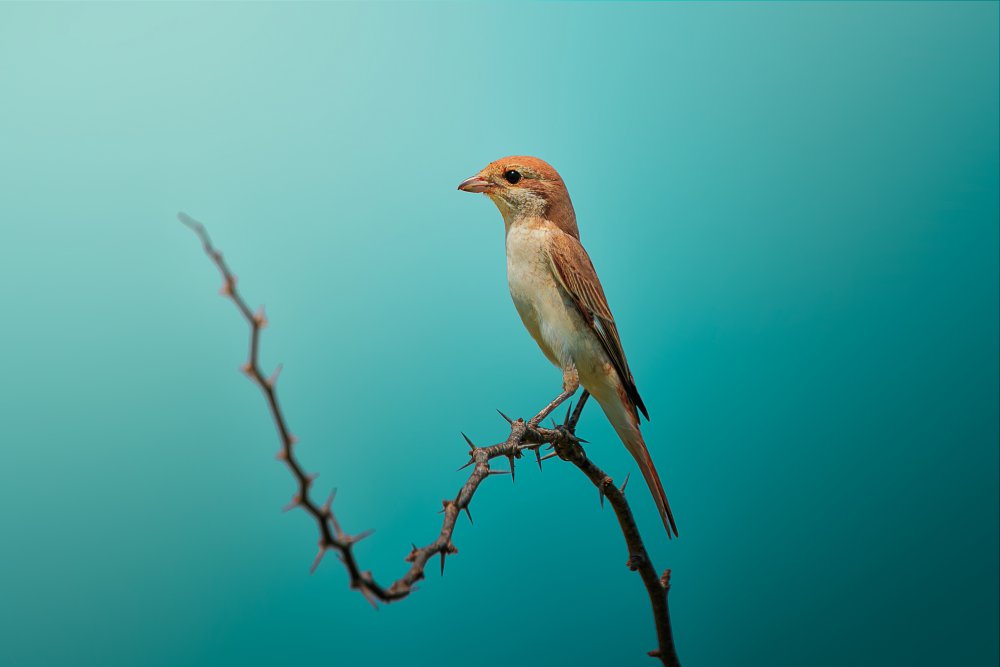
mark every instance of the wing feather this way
{"type": "Point", "coordinates": [573, 268]}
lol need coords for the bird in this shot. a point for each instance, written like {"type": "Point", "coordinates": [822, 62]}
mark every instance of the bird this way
{"type": "Point", "coordinates": [561, 302]}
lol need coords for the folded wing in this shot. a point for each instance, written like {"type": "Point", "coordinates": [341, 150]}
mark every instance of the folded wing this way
{"type": "Point", "coordinates": [573, 268]}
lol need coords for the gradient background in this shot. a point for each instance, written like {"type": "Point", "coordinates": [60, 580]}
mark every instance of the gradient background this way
{"type": "Point", "coordinates": [793, 208]}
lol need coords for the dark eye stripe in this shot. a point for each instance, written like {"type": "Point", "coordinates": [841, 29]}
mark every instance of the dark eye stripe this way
{"type": "Point", "coordinates": [512, 176]}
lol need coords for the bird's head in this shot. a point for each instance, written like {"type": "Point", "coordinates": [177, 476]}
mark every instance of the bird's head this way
{"type": "Point", "coordinates": [525, 187]}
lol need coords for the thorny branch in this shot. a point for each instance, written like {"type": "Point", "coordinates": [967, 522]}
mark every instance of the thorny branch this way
{"type": "Point", "coordinates": [524, 436]}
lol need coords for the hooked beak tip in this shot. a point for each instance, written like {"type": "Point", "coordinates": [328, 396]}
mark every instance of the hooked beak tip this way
{"type": "Point", "coordinates": [474, 184]}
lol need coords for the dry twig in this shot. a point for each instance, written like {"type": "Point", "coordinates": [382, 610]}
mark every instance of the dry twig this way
{"type": "Point", "coordinates": [523, 436]}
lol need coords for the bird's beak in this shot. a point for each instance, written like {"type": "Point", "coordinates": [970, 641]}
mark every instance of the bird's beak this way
{"type": "Point", "coordinates": [474, 184]}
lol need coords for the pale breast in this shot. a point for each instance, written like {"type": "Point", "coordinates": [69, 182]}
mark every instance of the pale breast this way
{"type": "Point", "coordinates": [550, 316]}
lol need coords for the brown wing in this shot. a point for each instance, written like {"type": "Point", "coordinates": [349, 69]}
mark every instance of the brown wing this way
{"type": "Point", "coordinates": [573, 267]}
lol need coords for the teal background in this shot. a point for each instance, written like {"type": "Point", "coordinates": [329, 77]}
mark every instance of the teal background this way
{"type": "Point", "coordinates": [793, 209]}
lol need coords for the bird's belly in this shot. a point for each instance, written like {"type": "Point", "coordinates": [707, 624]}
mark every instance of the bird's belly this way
{"type": "Point", "coordinates": [552, 318]}
{"type": "Point", "coordinates": [545, 316]}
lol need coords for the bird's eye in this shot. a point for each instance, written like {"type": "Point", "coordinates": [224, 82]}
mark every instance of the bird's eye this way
{"type": "Point", "coordinates": [512, 176]}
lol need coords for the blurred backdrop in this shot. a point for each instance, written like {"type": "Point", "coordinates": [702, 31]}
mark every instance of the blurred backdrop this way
{"type": "Point", "coordinates": [793, 209]}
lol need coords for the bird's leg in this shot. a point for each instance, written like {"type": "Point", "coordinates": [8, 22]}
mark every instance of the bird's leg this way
{"type": "Point", "coordinates": [571, 382]}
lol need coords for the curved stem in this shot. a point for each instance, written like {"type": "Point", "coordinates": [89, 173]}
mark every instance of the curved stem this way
{"type": "Point", "coordinates": [523, 436]}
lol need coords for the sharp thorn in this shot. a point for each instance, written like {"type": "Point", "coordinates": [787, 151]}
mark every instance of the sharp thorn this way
{"type": "Point", "coordinates": [318, 559]}
{"type": "Point", "coordinates": [499, 472]}
{"type": "Point", "coordinates": [368, 595]}
{"type": "Point", "coordinates": [471, 461]}
{"type": "Point", "coordinates": [471, 445]}
{"type": "Point", "coordinates": [509, 420]}
{"type": "Point", "coordinates": [468, 513]}
{"type": "Point", "coordinates": [273, 379]}
{"type": "Point", "coordinates": [600, 492]}
{"type": "Point", "coordinates": [549, 456]}
{"type": "Point", "coordinates": [569, 410]}
{"type": "Point", "coordinates": [260, 318]}
{"type": "Point", "coordinates": [538, 456]}
{"type": "Point", "coordinates": [362, 535]}
{"type": "Point", "coordinates": [625, 483]}
{"type": "Point", "coordinates": [442, 563]}
{"type": "Point", "coordinates": [329, 502]}
{"type": "Point", "coordinates": [511, 457]}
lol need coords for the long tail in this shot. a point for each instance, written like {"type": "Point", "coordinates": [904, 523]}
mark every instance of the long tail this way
{"type": "Point", "coordinates": [637, 448]}
{"type": "Point", "coordinates": [626, 425]}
